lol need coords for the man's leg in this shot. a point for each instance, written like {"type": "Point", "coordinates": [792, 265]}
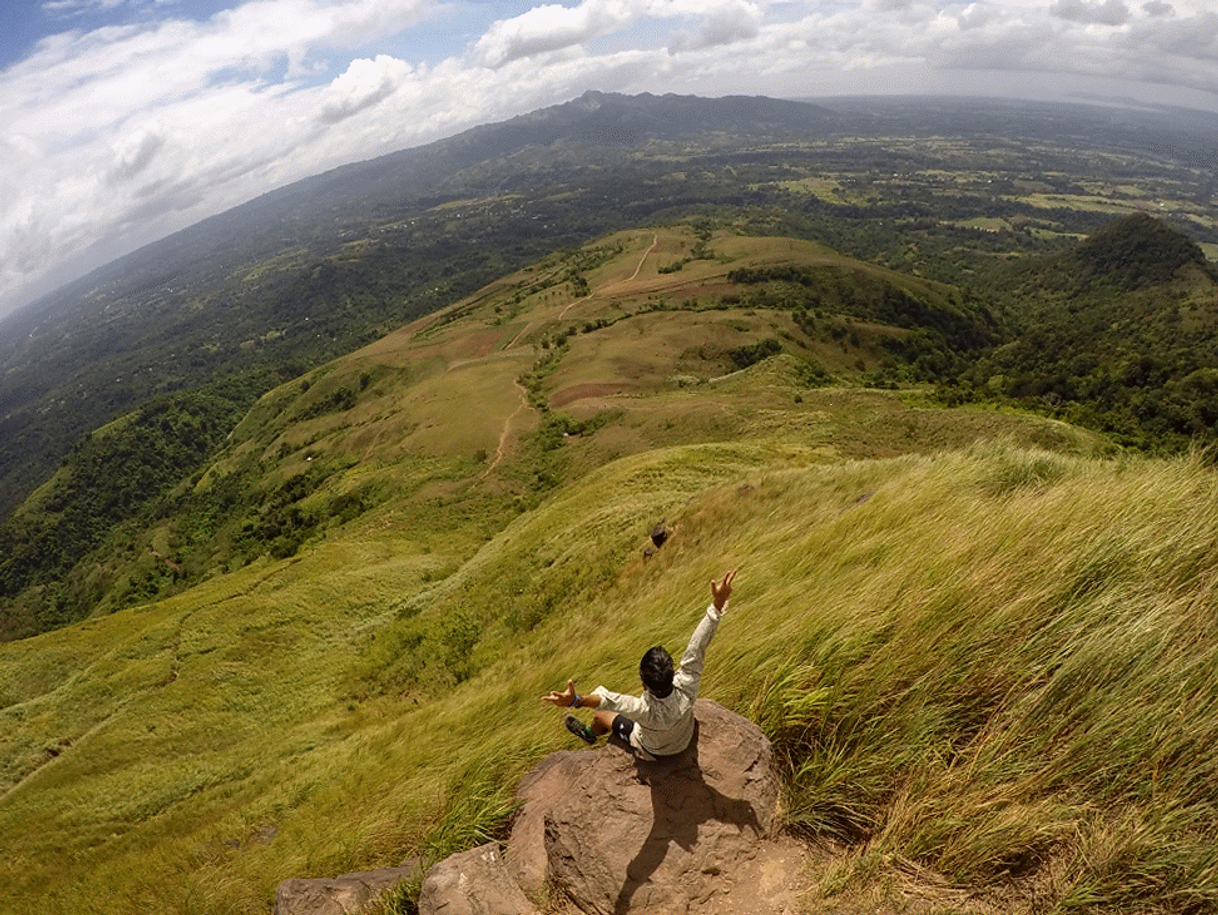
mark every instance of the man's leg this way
{"type": "Point", "coordinates": [625, 734]}
{"type": "Point", "coordinates": [580, 730]}
{"type": "Point", "coordinates": [602, 723]}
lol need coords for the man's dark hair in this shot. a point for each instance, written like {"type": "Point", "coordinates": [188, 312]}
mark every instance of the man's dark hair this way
{"type": "Point", "coordinates": [655, 670]}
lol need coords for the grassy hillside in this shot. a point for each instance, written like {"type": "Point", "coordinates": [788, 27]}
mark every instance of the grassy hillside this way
{"type": "Point", "coordinates": [994, 664]}
{"type": "Point", "coordinates": [425, 415]}
{"type": "Point", "coordinates": [982, 643]}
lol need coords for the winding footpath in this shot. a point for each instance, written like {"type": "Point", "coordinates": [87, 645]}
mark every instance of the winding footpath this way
{"type": "Point", "coordinates": [507, 427]}
{"type": "Point", "coordinates": [524, 394]}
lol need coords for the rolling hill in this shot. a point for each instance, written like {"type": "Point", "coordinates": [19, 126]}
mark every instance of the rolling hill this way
{"type": "Point", "coordinates": [1112, 333]}
{"type": "Point", "coordinates": [135, 512]}
{"type": "Point", "coordinates": [1118, 332]}
{"type": "Point", "coordinates": [944, 188]}
{"type": "Point", "coordinates": [308, 272]}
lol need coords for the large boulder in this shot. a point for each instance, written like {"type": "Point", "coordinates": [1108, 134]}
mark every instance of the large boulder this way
{"type": "Point", "coordinates": [343, 895]}
{"type": "Point", "coordinates": [474, 882]}
{"type": "Point", "coordinates": [617, 834]}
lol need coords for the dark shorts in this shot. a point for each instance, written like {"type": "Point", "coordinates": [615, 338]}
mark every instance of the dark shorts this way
{"type": "Point", "coordinates": [623, 727]}
{"type": "Point", "coordinates": [623, 730]}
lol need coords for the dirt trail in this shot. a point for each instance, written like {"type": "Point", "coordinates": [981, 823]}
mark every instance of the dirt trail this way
{"type": "Point", "coordinates": [507, 428]}
{"type": "Point", "coordinates": [524, 395]}
{"type": "Point", "coordinates": [655, 240]}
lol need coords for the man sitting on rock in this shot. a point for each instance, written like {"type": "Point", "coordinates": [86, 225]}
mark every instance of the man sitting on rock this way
{"type": "Point", "coordinates": [661, 721]}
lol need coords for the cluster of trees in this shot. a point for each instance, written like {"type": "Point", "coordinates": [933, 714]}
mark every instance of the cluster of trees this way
{"type": "Point", "coordinates": [1118, 333]}
{"type": "Point", "coordinates": [946, 329]}
{"type": "Point", "coordinates": [111, 477]}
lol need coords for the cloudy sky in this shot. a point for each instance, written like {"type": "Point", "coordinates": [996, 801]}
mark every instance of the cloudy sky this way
{"type": "Point", "coordinates": [124, 120]}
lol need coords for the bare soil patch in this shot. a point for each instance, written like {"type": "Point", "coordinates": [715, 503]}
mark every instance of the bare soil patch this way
{"type": "Point", "coordinates": [581, 391]}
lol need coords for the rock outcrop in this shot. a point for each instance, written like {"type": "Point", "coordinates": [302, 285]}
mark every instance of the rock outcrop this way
{"type": "Point", "coordinates": [343, 895]}
{"type": "Point", "coordinates": [613, 834]}
{"type": "Point", "coordinates": [474, 882]}
{"type": "Point", "coordinates": [617, 834]}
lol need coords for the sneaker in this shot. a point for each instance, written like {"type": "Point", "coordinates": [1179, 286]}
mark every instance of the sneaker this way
{"type": "Point", "coordinates": [580, 730]}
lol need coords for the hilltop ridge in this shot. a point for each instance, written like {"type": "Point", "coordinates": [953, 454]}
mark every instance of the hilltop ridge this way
{"type": "Point", "coordinates": [1118, 333]}
{"type": "Point", "coordinates": [310, 271]}
{"type": "Point", "coordinates": [1136, 252]}
{"type": "Point", "coordinates": [553, 342]}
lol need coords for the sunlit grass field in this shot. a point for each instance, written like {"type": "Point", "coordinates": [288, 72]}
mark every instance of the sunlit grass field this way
{"type": "Point", "coordinates": [983, 645]}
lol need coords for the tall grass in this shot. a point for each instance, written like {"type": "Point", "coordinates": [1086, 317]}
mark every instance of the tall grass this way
{"type": "Point", "coordinates": [996, 665]}
{"type": "Point", "coordinates": [1008, 660]}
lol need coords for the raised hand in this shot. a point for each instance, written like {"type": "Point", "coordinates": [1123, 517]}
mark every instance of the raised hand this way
{"type": "Point", "coordinates": [722, 590]}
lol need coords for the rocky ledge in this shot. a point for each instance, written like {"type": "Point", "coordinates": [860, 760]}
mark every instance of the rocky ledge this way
{"type": "Point", "coordinates": [610, 834]}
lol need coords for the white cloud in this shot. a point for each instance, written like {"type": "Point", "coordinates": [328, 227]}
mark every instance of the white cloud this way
{"type": "Point", "coordinates": [1109, 12]}
{"type": "Point", "coordinates": [74, 7]}
{"type": "Point", "coordinates": [134, 154]}
{"type": "Point", "coordinates": [128, 132]}
{"type": "Point", "coordinates": [726, 25]}
{"type": "Point", "coordinates": [552, 27]}
{"type": "Point", "coordinates": [976, 16]}
{"type": "Point", "coordinates": [112, 137]}
{"type": "Point", "coordinates": [364, 84]}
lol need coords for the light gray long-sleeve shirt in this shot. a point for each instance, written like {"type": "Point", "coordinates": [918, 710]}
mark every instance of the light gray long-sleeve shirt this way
{"type": "Point", "coordinates": [666, 725]}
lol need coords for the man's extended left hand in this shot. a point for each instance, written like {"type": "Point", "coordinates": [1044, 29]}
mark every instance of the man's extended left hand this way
{"type": "Point", "coordinates": [563, 698]}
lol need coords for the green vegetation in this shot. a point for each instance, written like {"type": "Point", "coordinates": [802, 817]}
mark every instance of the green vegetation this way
{"type": "Point", "coordinates": [998, 690]}
{"type": "Point", "coordinates": [110, 479]}
{"type": "Point", "coordinates": [132, 516]}
{"type": "Point", "coordinates": [1103, 335]}
{"type": "Point", "coordinates": [997, 667]}
{"type": "Point", "coordinates": [1117, 333]}
{"type": "Point", "coordinates": [970, 658]}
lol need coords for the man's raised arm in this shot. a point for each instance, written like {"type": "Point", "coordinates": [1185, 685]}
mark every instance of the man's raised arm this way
{"type": "Point", "coordinates": [691, 661]}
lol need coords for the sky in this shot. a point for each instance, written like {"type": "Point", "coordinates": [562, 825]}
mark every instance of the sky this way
{"type": "Point", "coordinates": [122, 121]}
